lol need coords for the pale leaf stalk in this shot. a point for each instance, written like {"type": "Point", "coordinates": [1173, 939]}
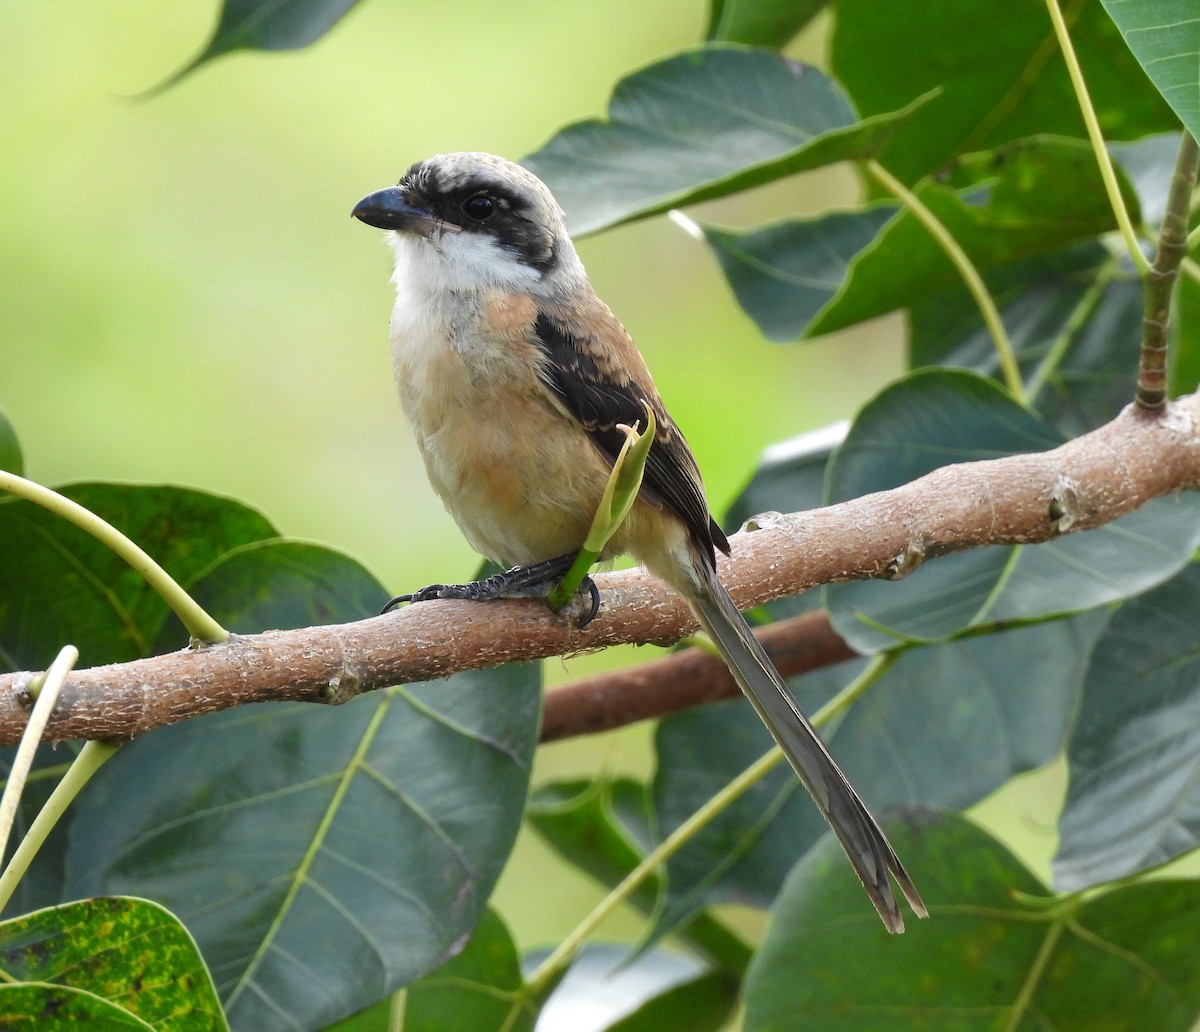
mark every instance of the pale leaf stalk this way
{"type": "Point", "coordinates": [91, 757]}
{"type": "Point", "coordinates": [46, 689]}
{"type": "Point", "coordinates": [1103, 158]}
{"type": "Point", "coordinates": [1009, 368]}
{"type": "Point", "coordinates": [199, 625]}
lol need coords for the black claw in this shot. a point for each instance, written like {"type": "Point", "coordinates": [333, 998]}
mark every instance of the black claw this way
{"type": "Point", "coordinates": [394, 602]}
{"type": "Point", "coordinates": [589, 586]}
{"type": "Point", "coordinates": [534, 581]}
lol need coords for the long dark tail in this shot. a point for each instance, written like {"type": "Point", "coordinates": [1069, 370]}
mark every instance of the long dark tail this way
{"type": "Point", "coordinates": [864, 842]}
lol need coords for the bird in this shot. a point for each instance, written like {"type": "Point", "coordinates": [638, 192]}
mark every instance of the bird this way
{"type": "Point", "coordinates": [516, 380]}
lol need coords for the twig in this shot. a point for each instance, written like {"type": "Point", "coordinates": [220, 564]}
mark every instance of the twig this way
{"type": "Point", "coordinates": [1172, 247]}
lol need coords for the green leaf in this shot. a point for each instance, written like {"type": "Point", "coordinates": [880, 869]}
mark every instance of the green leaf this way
{"type": "Point", "coordinates": [268, 25]}
{"type": "Point", "coordinates": [768, 23]}
{"type": "Point", "coordinates": [75, 589]}
{"type": "Point", "coordinates": [130, 952]}
{"type": "Point", "coordinates": [53, 1008]}
{"type": "Point", "coordinates": [41, 885]}
{"type": "Point", "coordinates": [986, 959]}
{"type": "Point", "coordinates": [936, 417]}
{"type": "Point", "coordinates": [999, 71]}
{"type": "Point", "coordinates": [10, 448]}
{"type": "Point", "coordinates": [807, 277]}
{"type": "Point", "coordinates": [1134, 753]}
{"type": "Point", "coordinates": [474, 991]}
{"type": "Point", "coordinates": [784, 276]}
{"type": "Point", "coordinates": [1025, 198]}
{"type": "Point", "coordinates": [702, 1004]}
{"type": "Point", "coordinates": [965, 725]}
{"type": "Point", "coordinates": [1074, 318]}
{"type": "Point", "coordinates": [703, 124]}
{"type": "Point", "coordinates": [321, 857]}
{"type": "Point", "coordinates": [1165, 38]}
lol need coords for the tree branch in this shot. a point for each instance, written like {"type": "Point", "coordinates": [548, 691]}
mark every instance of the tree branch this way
{"type": "Point", "coordinates": [1021, 499]}
{"type": "Point", "coordinates": [683, 680]}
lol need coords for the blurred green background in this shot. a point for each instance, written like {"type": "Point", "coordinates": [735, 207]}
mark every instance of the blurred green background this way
{"type": "Point", "coordinates": [185, 298]}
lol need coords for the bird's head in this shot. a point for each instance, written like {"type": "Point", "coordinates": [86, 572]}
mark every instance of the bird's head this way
{"type": "Point", "coordinates": [480, 220]}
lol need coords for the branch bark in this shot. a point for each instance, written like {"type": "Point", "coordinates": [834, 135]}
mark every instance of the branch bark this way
{"type": "Point", "coordinates": [1021, 499]}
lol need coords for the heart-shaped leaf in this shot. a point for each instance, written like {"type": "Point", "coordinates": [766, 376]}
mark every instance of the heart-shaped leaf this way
{"type": "Point", "coordinates": [705, 123]}
{"type": "Point", "coordinates": [992, 954]}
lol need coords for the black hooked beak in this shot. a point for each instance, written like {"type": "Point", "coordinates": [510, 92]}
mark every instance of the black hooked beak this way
{"type": "Point", "coordinates": [390, 208]}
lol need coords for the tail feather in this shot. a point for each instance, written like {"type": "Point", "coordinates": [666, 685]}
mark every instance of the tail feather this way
{"type": "Point", "coordinates": [865, 844]}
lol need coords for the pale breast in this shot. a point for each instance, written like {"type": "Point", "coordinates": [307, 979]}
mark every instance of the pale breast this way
{"type": "Point", "coordinates": [520, 478]}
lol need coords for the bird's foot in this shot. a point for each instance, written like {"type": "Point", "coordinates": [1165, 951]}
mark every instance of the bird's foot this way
{"type": "Point", "coordinates": [534, 581]}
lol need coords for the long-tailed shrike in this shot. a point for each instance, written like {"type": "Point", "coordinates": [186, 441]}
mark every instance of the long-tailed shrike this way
{"type": "Point", "coordinates": [514, 376]}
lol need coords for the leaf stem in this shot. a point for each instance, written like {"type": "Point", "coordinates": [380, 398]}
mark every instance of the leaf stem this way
{"type": "Point", "coordinates": [974, 282]}
{"type": "Point", "coordinates": [199, 624]}
{"type": "Point", "coordinates": [1172, 247]}
{"type": "Point", "coordinates": [45, 689]}
{"type": "Point", "coordinates": [90, 759]}
{"type": "Point", "coordinates": [1103, 159]}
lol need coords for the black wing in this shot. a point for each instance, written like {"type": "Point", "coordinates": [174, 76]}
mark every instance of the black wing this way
{"type": "Point", "coordinates": [600, 400]}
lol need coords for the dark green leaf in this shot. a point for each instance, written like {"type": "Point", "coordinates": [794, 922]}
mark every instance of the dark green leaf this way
{"type": "Point", "coordinates": [945, 725]}
{"type": "Point", "coordinates": [10, 449]}
{"type": "Point", "coordinates": [268, 25]}
{"type": "Point", "coordinates": [1165, 38]}
{"type": "Point", "coordinates": [75, 589]}
{"type": "Point", "coordinates": [784, 276]}
{"type": "Point", "coordinates": [807, 277]}
{"type": "Point", "coordinates": [769, 23]}
{"type": "Point", "coordinates": [702, 124]}
{"type": "Point", "coordinates": [1134, 753]}
{"type": "Point", "coordinates": [130, 952]}
{"type": "Point", "coordinates": [999, 71]}
{"type": "Point", "coordinates": [985, 959]}
{"type": "Point", "coordinates": [936, 417]}
{"type": "Point", "coordinates": [1074, 318]}
{"type": "Point", "coordinates": [1026, 198]}
{"type": "Point", "coordinates": [703, 1004]}
{"type": "Point", "coordinates": [53, 1008]}
{"type": "Point", "coordinates": [475, 991]}
{"type": "Point", "coordinates": [322, 858]}
{"type": "Point", "coordinates": [41, 885]}
{"type": "Point", "coordinates": [374, 1019]}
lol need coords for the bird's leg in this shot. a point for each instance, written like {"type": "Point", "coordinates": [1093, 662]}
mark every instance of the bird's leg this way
{"type": "Point", "coordinates": [537, 580]}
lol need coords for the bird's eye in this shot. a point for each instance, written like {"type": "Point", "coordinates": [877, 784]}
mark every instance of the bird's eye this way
{"type": "Point", "coordinates": [480, 207]}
